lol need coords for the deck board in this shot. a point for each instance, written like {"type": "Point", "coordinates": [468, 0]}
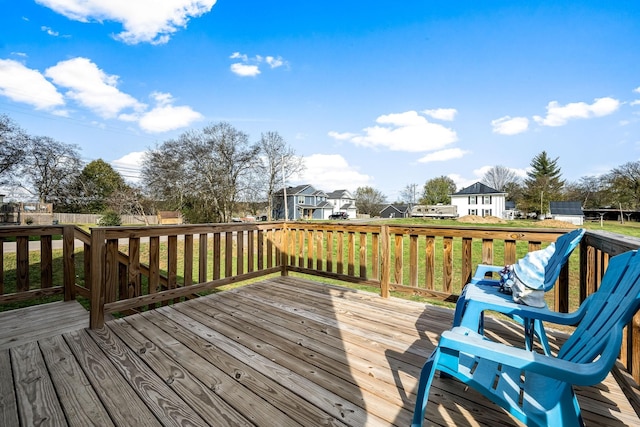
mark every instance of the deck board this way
{"type": "Point", "coordinates": [282, 352]}
{"type": "Point", "coordinates": [33, 323]}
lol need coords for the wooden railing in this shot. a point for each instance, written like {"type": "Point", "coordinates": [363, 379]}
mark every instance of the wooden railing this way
{"type": "Point", "coordinates": [129, 269]}
{"type": "Point", "coordinates": [19, 281]}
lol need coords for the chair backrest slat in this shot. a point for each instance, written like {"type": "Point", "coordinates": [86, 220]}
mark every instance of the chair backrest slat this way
{"type": "Point", "coordinates": [607, 311]}
{"type": "Point", "coordinates": [565, 245]}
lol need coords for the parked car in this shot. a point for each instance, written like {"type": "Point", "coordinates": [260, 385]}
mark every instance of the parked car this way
{"type": "Point", "coordinates": [339, 215]}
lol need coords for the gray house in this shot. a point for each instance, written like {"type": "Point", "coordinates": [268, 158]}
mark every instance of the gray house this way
{"type": "Point", "coordinates": [305, 202]}
{"type": "Point", "coordinates": [396, 210]}
{"type": "Point", "coordinates": [342, 201]}
{"type": "Point", "coordinates": [567, 212]}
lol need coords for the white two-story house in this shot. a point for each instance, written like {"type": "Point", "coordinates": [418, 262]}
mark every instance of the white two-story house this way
{"type": "Point", "coordinates": [479, 199]}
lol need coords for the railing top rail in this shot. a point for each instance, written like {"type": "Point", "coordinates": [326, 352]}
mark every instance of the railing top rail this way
{"type": "Point", "coordinates": [499, 233]}
{"type": "Point", "coordinates": [30, 230]}
{"type": "Point", "coordinates": [121, 232]}
{"type": "Point", "coordinates": [611, 243]}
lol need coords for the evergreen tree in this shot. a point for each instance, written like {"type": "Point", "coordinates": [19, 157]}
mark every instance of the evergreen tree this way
{"type": "Point", "coordinates": [543, 184]}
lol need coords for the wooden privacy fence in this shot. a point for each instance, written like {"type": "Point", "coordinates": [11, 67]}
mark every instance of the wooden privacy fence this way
{"type": "Point", "coordinates": [128, 269]}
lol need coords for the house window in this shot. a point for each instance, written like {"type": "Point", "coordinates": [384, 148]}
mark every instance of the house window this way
{"type": "Point", "coordinates": [473, 211]}
{"type": "Point", "coordinates": [486, 200]}
{"type": "Point", "coordinates": [473, 200]}
{"type": "Point", "coordinates": [486, 212]}
{"type": "Point", "coordinates": [300, 200]}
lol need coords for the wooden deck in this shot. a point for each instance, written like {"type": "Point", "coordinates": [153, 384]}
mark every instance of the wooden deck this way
{"type": "Point", "coordinates": [281, 352]}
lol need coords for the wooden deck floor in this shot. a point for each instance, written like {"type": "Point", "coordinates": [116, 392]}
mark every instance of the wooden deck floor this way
{"type": "Point", "coordinates": [282, 352]}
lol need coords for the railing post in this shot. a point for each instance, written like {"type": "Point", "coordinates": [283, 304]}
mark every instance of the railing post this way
{"type": "Point", "coordinates": [284, 254]}
{"type": "Point", "coordinates": [98, 251]}
{"type": "Point", "coordinates": [69, 267]}
{"type": "Point", "coordinates": [385, 261]}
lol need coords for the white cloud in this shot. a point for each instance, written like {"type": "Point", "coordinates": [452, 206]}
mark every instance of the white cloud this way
{"type": "Point", "coordinates": [443, 155]}
{"type": "Point", "coordinates": [274, 62]}
{"type": "Point", "coordinates": [165, 117]}
{"type": "Point", "coordinates": [129, 165]}
{"type": "Point", "coordinates": [558, 115]}
{"type": "Point", "coordinates": [508, 125]}
{"type": "Point", "coordinates": [152, 21]}
{"type": "Point", "coordinates": [634, 103]}
{"type": "Point", "coordinates": [637, 90]}
{"type": "Point", "coordinates": [445, 114]}
{"type": "Point", "coordinates": [50, 31]}
{"type": "Point", "coordinates": [245, 70]}
{"type": "Point", "coordinates": [250, 67]}
{"type": "Point", "coordinates": [408, 131]}
{"type": "Point", "coordinates": [22, 84]}
{"type": "Point", "coordinates": [238, 55]}
{"type": "Point", "coordinates": [91, 87]}
{"type": "Point", "coordinates": [329, 172]}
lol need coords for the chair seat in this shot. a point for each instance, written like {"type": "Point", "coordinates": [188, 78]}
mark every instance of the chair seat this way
{"type": "Point", "coordinates": [525, 394]}
{"type": "Point", "coordinates": [483, 294]}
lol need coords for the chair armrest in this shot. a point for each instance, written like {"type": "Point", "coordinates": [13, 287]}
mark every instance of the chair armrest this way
{"type": "Point", "coordinates": [475, 307]}
{"type": "Point", "coordinates": [481, 270]}
{"type": "Point", "coordinates": [583, 374]}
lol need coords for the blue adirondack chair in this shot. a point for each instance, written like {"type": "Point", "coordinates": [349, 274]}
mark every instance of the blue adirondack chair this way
{"type": "Point", "coordinates": [537, 388]}
{"type": "Point", "coordinates": [483, 294]}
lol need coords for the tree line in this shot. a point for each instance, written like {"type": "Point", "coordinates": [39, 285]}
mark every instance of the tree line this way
{"type": "Point", "coordinates": [619, 188]}
{"type": "Point", "coordinates": [205, 174]}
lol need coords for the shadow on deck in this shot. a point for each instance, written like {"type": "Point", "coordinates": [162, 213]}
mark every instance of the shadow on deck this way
{"type": "Point", "coordinates": [282, 352]}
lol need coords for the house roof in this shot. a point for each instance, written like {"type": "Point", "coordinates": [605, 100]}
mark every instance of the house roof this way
{"type": "Point", "coordinates": [397, 207]}
{"type": "Point", "coordinates": [292, 191]}
{"type": "Point", "coordinates": [565, 208]}
{"type": "Point", "coordinates": [339, 194]}
{"type": "Point", "coordinates": [477, 188]}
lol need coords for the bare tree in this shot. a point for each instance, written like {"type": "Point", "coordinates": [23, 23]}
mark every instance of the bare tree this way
{"type": "Point", "coordinates": [409, 194]}
{"type": "Point", "coordinates": [12, 147]}
{"type": "Point", "coordinates": [277, 159]}
{"type": "Point", "coordinates": [369, 200]}
{"type": "Point", "coordinates": [203, 172]}
{"type": "Point", "coordinates": [50, 168]}
{"type": "Point", "coordinates": [624, 185]}
{"type": "Point", "coordinates": [500, 177]}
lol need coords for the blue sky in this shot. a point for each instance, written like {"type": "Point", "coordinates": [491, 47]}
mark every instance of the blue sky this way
{"type": "Point", "coordinates": [383, 94]}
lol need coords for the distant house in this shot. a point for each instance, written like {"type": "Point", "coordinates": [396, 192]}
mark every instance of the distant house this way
{"type": "Point", "coordinates": [342, 201]}
{"type": "Point", "coordinates": [479, 199]}
{"type": "Point", "coordinates": [306, 202]}
{"type": "Point", "coordinates": [510, 211]}
{"type": "Point", "coordinates": [396, 210]}
{"type": "Point", "coordinates": [567, 212]}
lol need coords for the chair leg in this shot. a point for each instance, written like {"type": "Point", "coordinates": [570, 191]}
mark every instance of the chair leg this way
{"type": "Point", "coordinates": [542, 336]}
{"type": "Point", "coordinates": [426, 378]}
{"type": "Point", "coordinates": [528, 333]}
{"type": "Point", "coordinates": [461, 304]}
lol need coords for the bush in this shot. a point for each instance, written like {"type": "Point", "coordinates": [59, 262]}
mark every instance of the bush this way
{"type": "Point", "coordinates": [110, 218]}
